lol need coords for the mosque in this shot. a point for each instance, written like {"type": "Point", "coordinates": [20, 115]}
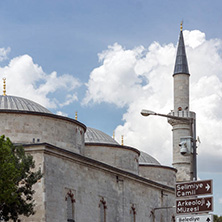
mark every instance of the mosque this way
{"type": "Point", "coordinates": [87, 175]}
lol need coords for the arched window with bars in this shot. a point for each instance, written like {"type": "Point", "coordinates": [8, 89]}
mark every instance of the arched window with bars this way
{"type": "Point", "coordinates": [102, 207]}
{"type": "Point", "coordinates": [70, 203]}
{"type": "Point", "coordinates": [133, 213]}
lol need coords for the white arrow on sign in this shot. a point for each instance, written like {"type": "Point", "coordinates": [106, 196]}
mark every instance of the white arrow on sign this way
{"type": "Point", "coordinates": [208, 204]}
{"type": "Point", "coordinates": [194, 188]}
{"type": "Point", "coordinates": [207, 187]}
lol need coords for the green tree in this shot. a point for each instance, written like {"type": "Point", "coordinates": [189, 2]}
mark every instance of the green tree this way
{"type": "Point", "coordinates": [217, 218]}
{"type": "Point", "coordinates": [17, 177]}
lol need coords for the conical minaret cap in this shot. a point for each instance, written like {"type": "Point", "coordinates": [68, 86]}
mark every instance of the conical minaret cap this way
{"type": "Point", "coordinates": [181, 66]}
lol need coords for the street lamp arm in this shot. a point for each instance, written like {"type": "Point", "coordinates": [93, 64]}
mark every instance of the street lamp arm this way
{"type": "Point", "coordinates": [146, 112]}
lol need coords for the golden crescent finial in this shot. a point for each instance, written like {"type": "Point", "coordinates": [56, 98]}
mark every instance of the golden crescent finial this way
{"type": "Point", "coordinates": [76, 116]}
{"type": "Point", "coordinates": [4, 87]}
{"type": "Point", "coordinates": [181, 26]}
{"type": "Point", "coordinates": [114, 134]}
{"type": "Point", "coordinates": [122, 141]}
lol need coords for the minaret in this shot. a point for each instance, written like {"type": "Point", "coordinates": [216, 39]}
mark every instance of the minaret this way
{"type": "Point", "coordinates": [181, 129]}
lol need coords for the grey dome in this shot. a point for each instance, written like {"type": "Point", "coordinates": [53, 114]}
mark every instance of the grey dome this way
{"type": "Point", "coordinates": [145, 158]}
{"type": "Point", "coordinates": [96, 136]}
{"type": "Point", "coordinates": [20, 104]}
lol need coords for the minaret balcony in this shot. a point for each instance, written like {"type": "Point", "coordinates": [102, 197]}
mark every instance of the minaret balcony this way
{"type": "Point", "coordinates": [182, 117]}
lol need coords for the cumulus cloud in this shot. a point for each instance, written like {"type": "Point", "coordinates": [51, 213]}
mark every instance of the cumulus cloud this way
{"type": "Point", "coordinates": [118, 68]}
{"type": "Point", "coordinates": [24, 77]}
{"type": "Point", "coordinates": [141, 78]}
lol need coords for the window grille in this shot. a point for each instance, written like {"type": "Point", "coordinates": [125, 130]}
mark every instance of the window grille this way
{"type": "Point", "coordinates": [70, 207]}
{"type": "Point", "coordinates": [103, 207]}
{"type": "Point", "coordinates": [133, 213]}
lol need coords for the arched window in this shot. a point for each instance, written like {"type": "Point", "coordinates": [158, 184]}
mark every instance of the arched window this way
{"type": "Point", "coordinates": [133, 213]}
{"type": "Point", "coordinates": [102, 207]}
{"type": "Point", "coordinates": [70, 206]}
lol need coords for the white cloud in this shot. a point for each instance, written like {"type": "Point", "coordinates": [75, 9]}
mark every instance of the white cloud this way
{"type": "Point", "coordinates": [142, 79]}
{"type": "Point", "coordinates": [111, 81]}
{"type": "Point", "coordinates": [4, 53]}
{"type": "Point", "coordinates": [194, 38]}
{"type": "Point", "coordinates": [60, 113]}
{"type": "Point", "coordinates": [27, 79]}
{"type": "Point", "coordinates": [69, 99]}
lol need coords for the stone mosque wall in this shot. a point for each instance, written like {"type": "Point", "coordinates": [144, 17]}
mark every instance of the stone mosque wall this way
{"type": "Point", "coordinates": [161, 174]}
{"type": "Point", "coordinates": [39, 188]}
{"type": "Point", "coordinates": [43, 128]}
{"type": "Point", "coordinates": [122, 157]}
{"type": "Point", "coordinates": [91, 184]}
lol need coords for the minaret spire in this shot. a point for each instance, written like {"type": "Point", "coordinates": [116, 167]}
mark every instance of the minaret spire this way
{"type": "Point", "coordinates": [182, 129]}
{"type": "Point", "coordinates": [181, 65]}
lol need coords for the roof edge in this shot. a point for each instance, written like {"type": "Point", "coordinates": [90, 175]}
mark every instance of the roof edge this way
{"type": "Point", "coordinates": [157, 166]}
{"type": "Point", "coordinates": [114, 146]}
{"type": "Point", "coordinates": [23, 112]}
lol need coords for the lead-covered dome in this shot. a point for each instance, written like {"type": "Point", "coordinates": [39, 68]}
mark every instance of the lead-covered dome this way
{"type": "Point", "coordinates": [96, 136]}
{"type": "Point", "coordinates": [15, 103]}
{"type": "Point", "coordinates": [145, 159]}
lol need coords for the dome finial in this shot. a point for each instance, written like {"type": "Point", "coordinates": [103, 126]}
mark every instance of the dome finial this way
{"type": "Point", "coordinates": [122, 140]}
{"type": "Point", "coordinates": [4, 87]}
{"type": "Point", "coordinates": [181, 26]}
{"type": "Point", "coordinates": [76, 116]}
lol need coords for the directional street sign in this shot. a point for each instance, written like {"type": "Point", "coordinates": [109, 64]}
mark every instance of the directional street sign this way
{"type": "Point", "coordinates": [202, 187]}
{"type": "Point", "coordinates": [194, 205]}
{"type": "Point", "coordinates": [195, 218]}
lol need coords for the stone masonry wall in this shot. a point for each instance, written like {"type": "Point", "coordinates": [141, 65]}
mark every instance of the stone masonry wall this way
{"type": "Point", "coordinates": [117, 156]}
{"type": "Point", "coordinates": [161, 174]}
{"type": "Point", "coordinates": [91, 182]}
{"type": "Point", "coordinates": [181, 91]}
{"type": "Point", "coordinates": [39, 187]}
{"type": "Point", "coordinates": [27, 129]}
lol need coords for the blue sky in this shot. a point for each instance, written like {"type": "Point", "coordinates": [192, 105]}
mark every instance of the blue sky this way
{"type": "Point", "coordinates": [104, 58]}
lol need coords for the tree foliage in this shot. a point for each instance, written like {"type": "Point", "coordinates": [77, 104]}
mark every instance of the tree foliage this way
{"type": "Point", "coordinates": [217, 218]}
{"type": "Point", "coordinates": [16, 180]}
